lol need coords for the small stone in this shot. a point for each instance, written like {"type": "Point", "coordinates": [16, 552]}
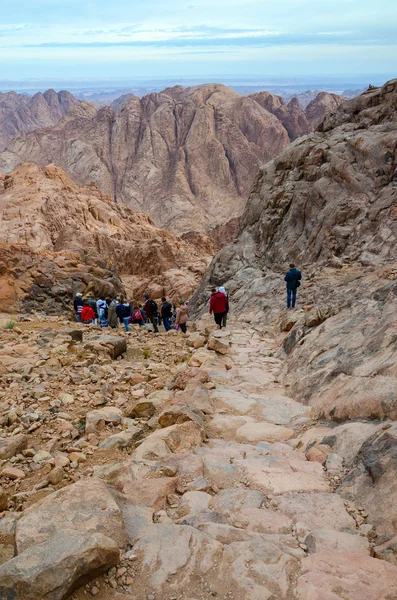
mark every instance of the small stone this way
{"type": "Point", "coordinates": [12, 473]}
{"type": "Point", "coordinates": [41, 456]}
{"type": "Point", "coordinates": [55, 476]}
{"type": "Point", "coordinates": [94, 591]}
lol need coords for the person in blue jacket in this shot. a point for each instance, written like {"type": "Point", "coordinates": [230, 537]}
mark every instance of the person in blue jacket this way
{"type": "Point", "coordinates": [293, 278]}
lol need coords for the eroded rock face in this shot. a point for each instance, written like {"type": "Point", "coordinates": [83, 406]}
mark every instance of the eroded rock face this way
{"type": "Point", "coordinates": [188, 160]}
{"type": "Point", "coordinates": [60, 238]}
{"type": "Point", "coordinates": [20, 113]}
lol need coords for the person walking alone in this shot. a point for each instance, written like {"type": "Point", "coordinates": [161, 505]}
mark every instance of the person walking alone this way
{"type": "Point", "coordinates": [224, 318]}
{"type": "Point", "coordinates": [292, 278]}
{"type": "Point", "coordinates": [166, 313]}
{"type": "Point", "coordinates": [218, 306]}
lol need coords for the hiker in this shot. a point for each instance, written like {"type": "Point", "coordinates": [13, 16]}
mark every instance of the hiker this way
{"type": "Point", "coordinates": [112, 314]}
{"type": "Point", "coordinates": [151, 311]}
{"type": "Point", "coordinates": [87, 314]}
{"type": "Point", "coordinates": [166, 313]}
{"type": "Point", "coordinates": [224, 318]}
{"type": "Point", "coordinates": [92, 304]}
{"type": "Point", "coordinates": [182, 314]}
{"type": "Point", "coordinates": [78, 304]}
{"type": "Point", "coordinates": [292, 278]}
{"type": "Point", "coordinates": [101, 306]}
{"type": "Point", "coordinates": [119, 309]}
{"type": "Point", "coordinates": [137, 316]}
{"type": "Point", "coordinates": [126, 315]}
{"type": "Point", "coordinates": [218, 306]}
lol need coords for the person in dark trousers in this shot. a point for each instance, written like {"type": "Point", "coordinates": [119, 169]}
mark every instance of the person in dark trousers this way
{"type": "Point", "coordinates": [166, 313]}
{"type": "Point", "coordinates": [119, 310]}
{"type": "Point", "coordinates": [292, 278]}
{"type": "Point", "coordinates": [218, 306]}
{"type": "Point", "coordinates": [224, 319]}
{"type": "Point", "coordinates": [78, 304]}
{"type": "Point", "coordinates": [126, 313]}
{"type": "Point", "coordinates": [151, 310]}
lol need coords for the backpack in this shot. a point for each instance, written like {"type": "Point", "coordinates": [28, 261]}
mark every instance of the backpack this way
{"type": "Point", "coordinates": [154, 307]}
{"type": "Point", "coordinates": [137, 315]}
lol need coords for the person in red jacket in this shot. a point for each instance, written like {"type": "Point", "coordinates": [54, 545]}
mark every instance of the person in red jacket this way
{"type": "Point", "coordinates": [87, 314]}
{"type": "Point", "coordinates": [218, 306]}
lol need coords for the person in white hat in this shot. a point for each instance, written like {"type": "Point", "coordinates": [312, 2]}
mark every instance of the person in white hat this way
{"type": "Point", "coordinates": [78, 304]}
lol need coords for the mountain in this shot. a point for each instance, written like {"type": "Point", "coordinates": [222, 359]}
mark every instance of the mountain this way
{"type": "Point", "coordinates": [57, 238]}
{"type": "Point", "coordinates": [296, 120]}
{"type": "Point", "coordinates": [328, 202]}
{"type": "Point", "coordinates": [20, 113]}
{"type": "Point", "coordinates": [185, 156]}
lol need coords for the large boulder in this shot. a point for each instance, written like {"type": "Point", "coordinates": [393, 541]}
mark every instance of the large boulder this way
{"type": "Point", "coordinates": [112, 345]}
{"type": "Point", "coordinates": [12, 445]}
{"type": "Point", "coordinates": [86, 506]}
{"type": "Point", "coordinates": [53, 569]}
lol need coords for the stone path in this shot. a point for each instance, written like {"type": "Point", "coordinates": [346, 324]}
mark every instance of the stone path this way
{"type": "Point", "coordinates": [216, 500]}
{"type": "Point", "coordinates": [256, 520]}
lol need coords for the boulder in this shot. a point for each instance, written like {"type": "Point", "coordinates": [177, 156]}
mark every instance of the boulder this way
{"type": "Point", "coordinates": [218, 344]}
{"type": "Point", "coordinates": [189, 374]}
{"type": "Point", "coordinates": [318, 453]}
{"type": "Point", "coordinates": [140, 409]}
{"type": "Point", "coordinates": [124, 439]}
{"type": "Point", "coordinates": [112, 345]}
{"type": "Point", "coordinates": [96, 419]}
{"type": "Point", "coordinates": [3, 499]}
{"type": "Point", "coordinates": [53, 569]}
{"type": "Point", "coordinates": [13, 445]}
{"type": "Point", "coordinates": [180, 413]}
{"type": "Point", "coordinates": [86, 506]}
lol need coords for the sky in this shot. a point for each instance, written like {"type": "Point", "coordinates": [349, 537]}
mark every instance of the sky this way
{"type": "Point", "coordinates": [196, 38]}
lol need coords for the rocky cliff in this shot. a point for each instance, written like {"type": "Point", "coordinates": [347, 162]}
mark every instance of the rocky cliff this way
{"type": "Point", "coordinates": [328, 202]}
{"type": "Point", "coordinates": [296, 120]}
{"type": "Point", "coordinates": [20, 113]}
{"type": "Point", "coordinates": [58, 238]}
{"type": "Point", "coordinates": [187, 157]}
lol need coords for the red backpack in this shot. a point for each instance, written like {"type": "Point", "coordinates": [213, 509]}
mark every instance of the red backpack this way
{"type": "Point", "coordinates": [137, 315]}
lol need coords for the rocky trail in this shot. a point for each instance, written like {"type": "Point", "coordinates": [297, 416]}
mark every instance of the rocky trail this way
{"type": "Point", "coordinates": [171, 468]}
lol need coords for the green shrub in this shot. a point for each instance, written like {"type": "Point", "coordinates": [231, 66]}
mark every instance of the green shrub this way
{"type": "Point", "coordinates": [146, 353]}
{"type": "Point", "coordinates": [9, 325]}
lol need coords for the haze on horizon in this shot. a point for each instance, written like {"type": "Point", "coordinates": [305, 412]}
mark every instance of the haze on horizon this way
{"type": "Point", "coordinates": [196, 38]}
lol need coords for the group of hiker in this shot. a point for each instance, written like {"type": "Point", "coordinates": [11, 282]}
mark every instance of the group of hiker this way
{"type": "Point", "coordinates": [114, 311]}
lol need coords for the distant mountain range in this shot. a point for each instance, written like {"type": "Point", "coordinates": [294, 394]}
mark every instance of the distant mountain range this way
{"type": "Point", "coordinates": [185, 156]}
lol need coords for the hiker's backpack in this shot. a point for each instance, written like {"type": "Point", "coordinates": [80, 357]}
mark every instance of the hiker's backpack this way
{"type": "Point", "coordinates": [137, 315]}
{"type": "Point", "coordinates": [154, 307]}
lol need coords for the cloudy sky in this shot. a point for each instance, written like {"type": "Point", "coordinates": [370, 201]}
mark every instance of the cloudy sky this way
{"type": "Point", "coordinates": [196, 38]}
